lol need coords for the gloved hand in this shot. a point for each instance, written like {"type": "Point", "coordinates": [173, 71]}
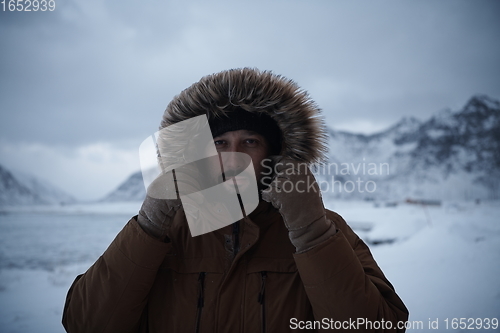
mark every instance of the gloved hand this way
{"type": "Point", "coordinates": [157, 212]}
{"type": "Point", "coordinates": [295, 193]}
{"type": "Point", "coordinates": [163, 198]}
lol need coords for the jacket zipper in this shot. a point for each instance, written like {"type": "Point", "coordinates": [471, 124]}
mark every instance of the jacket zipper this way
{"type": "Point", "coordinates": [262, 300]}
{"type": "Point", "coordinates": [201, 300]}
{"type": "Point", "coordinates": [236, 234]}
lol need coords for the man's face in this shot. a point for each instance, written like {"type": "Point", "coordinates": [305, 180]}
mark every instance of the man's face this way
{"type": "Point", "coordinates": [243, 141]}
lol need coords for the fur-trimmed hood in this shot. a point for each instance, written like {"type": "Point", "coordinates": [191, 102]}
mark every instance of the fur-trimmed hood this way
{"type": "Point", "coordinates": [297, 115]}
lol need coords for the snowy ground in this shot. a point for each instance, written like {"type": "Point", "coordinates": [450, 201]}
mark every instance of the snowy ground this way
{"type": "Point", "coordinates": [443, 261]}
{"type": "Point", "coordinates": [446, 261]}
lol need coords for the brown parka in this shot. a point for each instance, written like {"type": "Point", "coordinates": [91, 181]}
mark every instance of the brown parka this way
{"type": "Point", "coordinates": [199, 284]}
{"type": "Point", "coordinates": [245, 277]}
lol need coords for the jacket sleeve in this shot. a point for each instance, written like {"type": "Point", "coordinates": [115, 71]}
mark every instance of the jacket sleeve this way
{"type": "Point", "coordinates": [112, 294]}
{"type": "Point", "coordinates": [344, 283]}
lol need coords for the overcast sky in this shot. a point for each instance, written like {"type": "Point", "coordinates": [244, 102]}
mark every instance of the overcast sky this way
{"type": "Point", "coordinates": [82, 86]}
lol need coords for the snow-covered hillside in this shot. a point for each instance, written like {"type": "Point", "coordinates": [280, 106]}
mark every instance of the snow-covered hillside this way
{"type": "Point", "coordinates": [22, 189]}
{"type": "Point", "coordinates": [131, 189]}
{"type": "Point", "coordinates": [452, 156]}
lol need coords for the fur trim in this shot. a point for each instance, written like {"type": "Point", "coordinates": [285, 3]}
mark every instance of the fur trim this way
{"type": "Point", "coordinates": [297, 115]}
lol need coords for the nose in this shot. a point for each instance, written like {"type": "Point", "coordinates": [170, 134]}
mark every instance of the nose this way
{"type": "Point", "coordinates": [233, 154]}
{"type": "Point", "coordinates": [234, 147]}
{"type": "Point", "coordinates": [232, 160]}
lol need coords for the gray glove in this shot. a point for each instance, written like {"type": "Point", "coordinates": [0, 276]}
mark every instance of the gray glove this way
{"type": "Point", "coordinates": [295, 193]}
{"type": "Point", "coordinates": [157, 213]}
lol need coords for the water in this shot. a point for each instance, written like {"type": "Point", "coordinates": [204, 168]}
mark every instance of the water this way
{"type": "Point", "coordinates": [50, 240]}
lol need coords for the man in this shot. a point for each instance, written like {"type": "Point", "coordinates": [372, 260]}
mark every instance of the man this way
{"type": "Point", "coordinates": [288, 265]}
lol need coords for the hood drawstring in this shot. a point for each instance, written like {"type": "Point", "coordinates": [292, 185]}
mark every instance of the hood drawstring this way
{"type": "Point", "coordinates": [201, 300]}
{"type": "Point", "coordinates": [261, 300]}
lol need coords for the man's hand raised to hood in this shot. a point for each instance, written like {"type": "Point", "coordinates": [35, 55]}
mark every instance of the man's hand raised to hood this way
{"type": "Point", "coordinates": [296, 194]}
{"type": "Point", "coordinates": [157, 212]}
{"type": "Point", "coordinates": [163, 198]}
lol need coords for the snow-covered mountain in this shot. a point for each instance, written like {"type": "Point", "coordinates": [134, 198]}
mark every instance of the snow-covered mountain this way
{"type": "Point", "coordinates": [22, 189]}
{"type": "Point", "coordinates": [131, 189]}
{"type": "Point", "coordinates": [453, 155]}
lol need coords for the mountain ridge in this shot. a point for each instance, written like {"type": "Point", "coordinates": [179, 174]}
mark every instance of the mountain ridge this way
{"type": "Point", "coordinates": [21, 189]}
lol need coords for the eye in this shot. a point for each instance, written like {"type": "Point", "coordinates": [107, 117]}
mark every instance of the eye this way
{"type": "Point", "coordinates": [218, 142]}
{"type": "Point", "coordinates": [251, 142]}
